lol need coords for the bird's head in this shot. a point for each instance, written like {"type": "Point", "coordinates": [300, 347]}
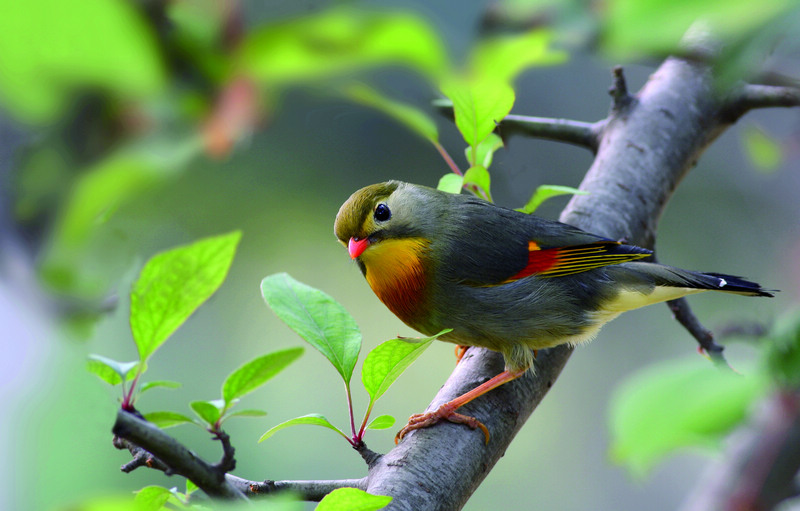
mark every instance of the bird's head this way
{"type": "Point", "coordinates": [385, 211]}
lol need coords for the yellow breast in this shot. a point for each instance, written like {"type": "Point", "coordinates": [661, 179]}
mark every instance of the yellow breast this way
{"type": "Point", "coordinates": [396, 273]}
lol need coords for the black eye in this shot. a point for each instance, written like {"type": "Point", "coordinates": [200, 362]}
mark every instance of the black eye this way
{"type": "Point", "coordinates": [382, 213]}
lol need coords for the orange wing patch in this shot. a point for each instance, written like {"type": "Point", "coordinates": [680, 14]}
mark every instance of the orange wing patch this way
{"type": "Point", "coordinates": [557, 262]}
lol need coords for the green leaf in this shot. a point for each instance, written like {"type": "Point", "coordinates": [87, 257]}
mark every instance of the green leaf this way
{"type": "Point", "coordinates": [381, 422]}
{"type": "Point", "coordinates": [50, 50]}
{"type": "Point", "coordinates": [478, 177]}
{"type": "Point", "coordinates": [68, 263]}
{"type": "Point", "coordinates": [451, 183]}
{"type": "Point", "coordinates": [190, 487]}
{"type": "Point", "coordinates": [111, 371]}
{"type": "Point", "coordinates": [255, 373]}
{"type": "Point", "coordinates": [208, 411]}
{"type": "Point", "coordinates": [352, 499]}
{"type": "Point", "coordinates": [317, 318]}
{"type": "Point", "coordinates": [764, 151]}
{"type": "Point", "coordinates": [152, 498]}
{"type": "Point", "coordinates": [413, 118]}
{"type": "Point", "coordinates": [545, 192]}
{"type": "Point", "coordinates": [159, 383]}
{"type": "Point", "coordinates": [635, 27]}
{"type": "Point", "coordinates": [504, 57]}
{"type": "Point", "coordinates": [485, 150]}
{"type": "Point", "coordinates": [338, 41]}
{"type": "Point", "coordinates": [167, 419]}
{"type": "Point", "coordinates": [245, 413]}
{"type": "Point", "coordinates": [677, 404]}
{"type": "Point", "coordinates": [314, 419]}
{"type": "Point", "coordinates": [479, 103]}
{"type": "Point", "coordinates": [388, 360]}
{"type": "Point", "coordinates": [173, 284]}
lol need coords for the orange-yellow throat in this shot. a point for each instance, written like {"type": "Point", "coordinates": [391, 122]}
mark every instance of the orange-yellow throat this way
{"type": "Point", "coordinates": [395, 272]}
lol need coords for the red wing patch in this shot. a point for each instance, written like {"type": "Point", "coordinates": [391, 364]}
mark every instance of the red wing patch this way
{"type": "Point", "coordinates": [557, 262]}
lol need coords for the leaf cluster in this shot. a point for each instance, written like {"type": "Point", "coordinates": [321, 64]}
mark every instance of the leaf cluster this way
{"type": "Point", "coordinates": [170, 287]}
{"type": "Point", "coordinates": [330, 329]}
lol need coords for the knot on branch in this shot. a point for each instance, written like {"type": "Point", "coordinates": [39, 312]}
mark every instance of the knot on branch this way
{"type": "Point", "coordinates": [369, 456]}
{"type": "Point", "coordinates": [619, 91]}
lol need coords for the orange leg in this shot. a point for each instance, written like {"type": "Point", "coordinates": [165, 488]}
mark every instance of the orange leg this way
{"type": "Point", "coordinates": [448, 410]}
{"type": "Point", "coordinates": [461, 350]}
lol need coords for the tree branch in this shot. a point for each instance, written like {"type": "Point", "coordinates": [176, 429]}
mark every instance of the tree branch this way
{"type": "Point", "coordinates": [683, 313]}
{"type": "Point", "coordinates": [583, 134]}
{"type": "Point", "coordinates": [751, 96]}
{"type": "Point", "coordinates": [143, 439]}
{"type": "Point", "coordinates": [172, 454]}
{"type": "Point", "coordinates": [312, 491]}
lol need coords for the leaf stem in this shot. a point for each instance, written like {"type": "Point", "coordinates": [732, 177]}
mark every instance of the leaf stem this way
{"type": "Point", "coordinates": [350, 409]}
{"type": "Point", "coordinates": [366, 418]}
{"type": "Point", "coordinates": [448, 159]}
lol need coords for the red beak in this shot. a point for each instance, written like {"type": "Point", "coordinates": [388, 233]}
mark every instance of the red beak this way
{"type": "Point", "coordinates": [357, 246]}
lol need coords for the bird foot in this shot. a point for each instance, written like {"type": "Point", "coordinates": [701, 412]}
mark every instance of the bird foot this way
{"type": "Point", "coordinates": [461, 350]}
{"type": "Point", "coordinates": [446, 412]}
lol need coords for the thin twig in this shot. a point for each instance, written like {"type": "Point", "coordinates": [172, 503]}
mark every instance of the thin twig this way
{"type": "Point", "coordinates": [583, 134]}
{"type": "Point", "coordinates": [751, 96]}
{"type": "Point", "coordinates": [312, 491]}
{"type": "Point", "coordinates": [141, 458]}
{"type": "Point", "coordinates": [683, 313]}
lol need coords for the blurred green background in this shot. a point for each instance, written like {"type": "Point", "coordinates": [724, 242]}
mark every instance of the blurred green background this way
{"type": "Point", "coordinates": [281, 179]}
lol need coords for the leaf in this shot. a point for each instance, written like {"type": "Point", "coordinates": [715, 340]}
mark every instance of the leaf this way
{"type": "Point", "coordinates": [190, 487]}
{"type": "Point", "coordinates": [209, 411]}
{"type": "Point", "coordinates": [173, 284]}
{"type": "Point", "coordinates": [167, 419]}
{"type": "Point", "coordinates": [677, 404]}
{"type": "Point", "coordinates": [388, 360]}
{"type": "Point", "coordinates": [314, 419]}
{"type": "Point", "coordinates": [159, 383]}
{"type": "Point", "coordinates": [451, 183]}
{"type": "Point", "coordinates": [633, 27]}
{"type": "Point", "coordinates": [152, 498]}
{"type": "Point", "coordinates": [545, 192]}
{"type": "Point", "coordinates": [50, 50]}
{"type": "Point", "coordinates": [68, 263]}
{"type": "Point", "coordinates": [485, 150]}
{"type": "Point", "coordinates": [764, 151]}
{"type": "Point", "coordinates": [338, 41]}
{"type": "Point", "coordinates": [478, 104]}
{"type": "Point", "coordinates": [352, 499]}
{"type": "Point", "coordinates": [245, 413]}
{"type": "Point", "coordinates": [111, 371]}
{"type": "Point", "coordinates": [504, 57]}
{"type": "Point", "coordinates": [413, 118]}
{"type": "Point", "coordinates": [317, 318]}
{"type": "Point", "coordinates": [479, 178]}
{"type": "Point", "coordinates": [381, 422]}
{"type": "Point", "coordinates": [255, 373]}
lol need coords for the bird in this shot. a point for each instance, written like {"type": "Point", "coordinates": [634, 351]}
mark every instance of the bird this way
{"type": "Point", "coordinates": [499, 278]}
